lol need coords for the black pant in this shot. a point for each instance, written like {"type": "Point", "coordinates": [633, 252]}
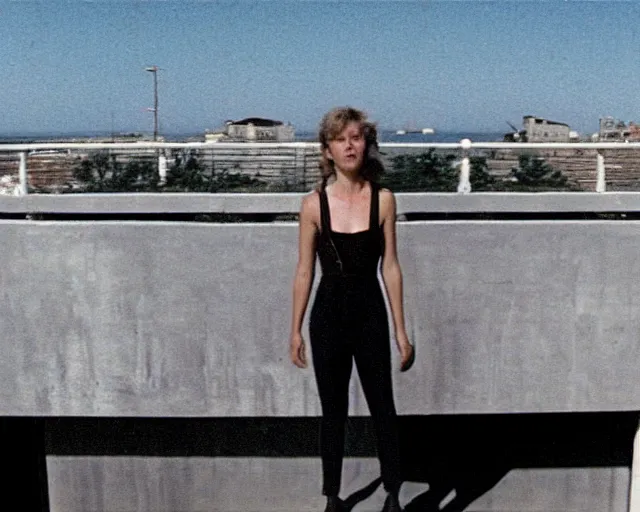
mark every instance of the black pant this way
{"type": "Point", "coordinates": [349, 322]}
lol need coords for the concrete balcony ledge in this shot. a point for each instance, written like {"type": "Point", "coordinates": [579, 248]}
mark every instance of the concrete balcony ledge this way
{"type": "Point", "coordinates": [113, 331]}
{"type": "Point", "coordinates": [286, 203]}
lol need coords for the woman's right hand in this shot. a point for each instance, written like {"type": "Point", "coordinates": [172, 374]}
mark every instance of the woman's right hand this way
{"type": "Point", "coordinates": [298, 351]}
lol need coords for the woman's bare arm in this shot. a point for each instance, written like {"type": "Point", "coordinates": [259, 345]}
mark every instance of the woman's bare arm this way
{"type": "Point", "coordinates": [392, 273]}
{"type": "Point", "coordinates": [304, 274]}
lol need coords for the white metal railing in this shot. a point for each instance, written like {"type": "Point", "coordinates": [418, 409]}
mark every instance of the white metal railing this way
{"type": "Point", "coordinates": [466, 146]}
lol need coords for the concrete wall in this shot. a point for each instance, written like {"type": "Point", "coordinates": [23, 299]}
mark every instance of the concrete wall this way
{"type": "Point", "coordinates": [168, 319]}
{"type": "Point", "coordinates": [144, 320]}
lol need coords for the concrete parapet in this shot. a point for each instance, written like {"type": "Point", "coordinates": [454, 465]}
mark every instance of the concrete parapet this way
{"type": "Point", "coordinates": [285, 203]}
{"type": "Point", "coordinates": [168, 319]}
{"type": "Point", "coordinates": [155, 320]}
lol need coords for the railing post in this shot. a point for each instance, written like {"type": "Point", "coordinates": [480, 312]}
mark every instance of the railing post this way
{"type": "Point", "coordinates": [464, 185]}
{"type": "Point", "coordinates": [303, 153]}
{"type": "Point", "coordinates": [601, 184]}
{"type": "Point", "coordinates": [22, 173]}
{"type": "Point", "coordinates": [162, 168]}
{"type": "Point", "coordinates": [634, 477]}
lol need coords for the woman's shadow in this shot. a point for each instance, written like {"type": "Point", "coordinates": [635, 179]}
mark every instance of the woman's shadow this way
{"type": "Point", "coordinates": [466, 486]}
{"type": "Point", "coordinates": [454, 491]}
{"type": "Point", "coordinates": [361, 494]}
{"type": "Point", "coordinates": [458, 467]}
{"type": "Point", "coordinates": [462, 457]}
{"type": "Point", "coordinates": [459, 461]}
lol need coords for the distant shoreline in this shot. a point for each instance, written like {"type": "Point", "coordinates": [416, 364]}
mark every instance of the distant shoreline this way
{"type": "Point", "coordinates": [303, 136]}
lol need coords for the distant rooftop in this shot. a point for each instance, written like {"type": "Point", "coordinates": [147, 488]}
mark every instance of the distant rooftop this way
{"type": "Point", "coordinates": [548, 121]}
{"type": "Point", "coordinates": [257, 121]}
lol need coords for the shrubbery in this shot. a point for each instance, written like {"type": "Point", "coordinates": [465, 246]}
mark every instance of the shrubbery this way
{"type": "Point", "coordinates": [429, 171]}
{"type": "Point", "coordinates": [102, 172]}
{"type": "Point", "coordinates": [187, 174]}
{"type": "Point", "coordinates": [534, 174]}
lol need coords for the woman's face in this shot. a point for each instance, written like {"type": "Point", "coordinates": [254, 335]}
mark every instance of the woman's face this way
{"type": "Point", "coordinates": [347, 149]}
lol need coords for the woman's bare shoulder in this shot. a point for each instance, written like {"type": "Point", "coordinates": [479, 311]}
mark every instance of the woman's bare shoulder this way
{"type": "Point", "coordinates": [387, 200]}
{"type": "Point", "coordinates": [310, 207]}
{"type": "Point", "coordinates": [311, 200]}
{"type": "Point", "coordinates": [386, 193]}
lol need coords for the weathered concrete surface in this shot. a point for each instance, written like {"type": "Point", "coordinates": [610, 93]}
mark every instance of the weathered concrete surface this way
{"type": "Point", "coordinates": [167, 319]}
{"type": "Point", "coordinates": [496, 462]}
{"type": "Point", "coordinates": [282, 203]}
{"type": "Point", "coordinates": [99, 484]}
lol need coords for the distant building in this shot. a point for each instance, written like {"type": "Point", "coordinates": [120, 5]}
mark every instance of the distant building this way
{"type": "Point", "coordinates": [538, 129]}
{"type": "Point", "coordinates": [253, 129]}
{"type": "Point", "coordinates": [612, 129]}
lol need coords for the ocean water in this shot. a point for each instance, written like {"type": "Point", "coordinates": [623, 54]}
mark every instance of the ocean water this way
{"type": "Point", "coordinates": [392, 136]}
{"type": "Point", "coordinates": [303, 136]}
{"type": "Point", "coordinates": [442, 137]}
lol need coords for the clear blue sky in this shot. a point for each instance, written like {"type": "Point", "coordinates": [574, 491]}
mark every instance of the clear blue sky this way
{"type": "Point", "coordinates": [78, 66]}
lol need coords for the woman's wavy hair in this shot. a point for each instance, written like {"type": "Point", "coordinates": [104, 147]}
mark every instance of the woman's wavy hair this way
{"type": "Point", "coordinates": [331, 125]}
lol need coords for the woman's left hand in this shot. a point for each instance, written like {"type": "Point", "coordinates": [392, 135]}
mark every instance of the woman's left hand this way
{"type": "Point", "coordinates": [407, 352]}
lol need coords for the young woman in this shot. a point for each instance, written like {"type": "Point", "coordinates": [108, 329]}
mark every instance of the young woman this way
{"type": "Point", "coordinates": [349, 222]}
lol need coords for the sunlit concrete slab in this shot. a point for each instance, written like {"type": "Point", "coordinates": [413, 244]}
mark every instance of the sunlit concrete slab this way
{"type": "Point", "coordinates": [180, 484]}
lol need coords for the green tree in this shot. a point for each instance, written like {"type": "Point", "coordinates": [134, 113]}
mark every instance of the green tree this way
{"type": "Point", "coordinates": [188, 174]}
{"type": "Point", "coordinates": [225, 181]}
{"type": "Point", "coordinates": [479, 177]}
{"type": "Point", "coordinates": [424, 172]}
{"type": "Point", "coordinates": [136, 176]}
{"type": "Point", "coordinates": [102, 172]}
{"type": "Point", "coordinates": [94, 171]}
{"type": "Point", "coordinates": [434, 172]}
{"type": "Point", "coordinates": [534, 174]}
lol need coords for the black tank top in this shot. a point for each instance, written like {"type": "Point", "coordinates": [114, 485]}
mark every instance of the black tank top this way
{"type": "Point", "coordinates": [350, 254]}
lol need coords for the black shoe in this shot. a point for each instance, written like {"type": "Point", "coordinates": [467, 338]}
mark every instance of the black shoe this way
{"type": "Point", "coordinates": [334, 504]}
{"type": "Point", "coordinates": [391, 504]}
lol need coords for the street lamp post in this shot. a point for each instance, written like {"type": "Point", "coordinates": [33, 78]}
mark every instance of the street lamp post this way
{"type": "Point", "coordinates": [154, 70]}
